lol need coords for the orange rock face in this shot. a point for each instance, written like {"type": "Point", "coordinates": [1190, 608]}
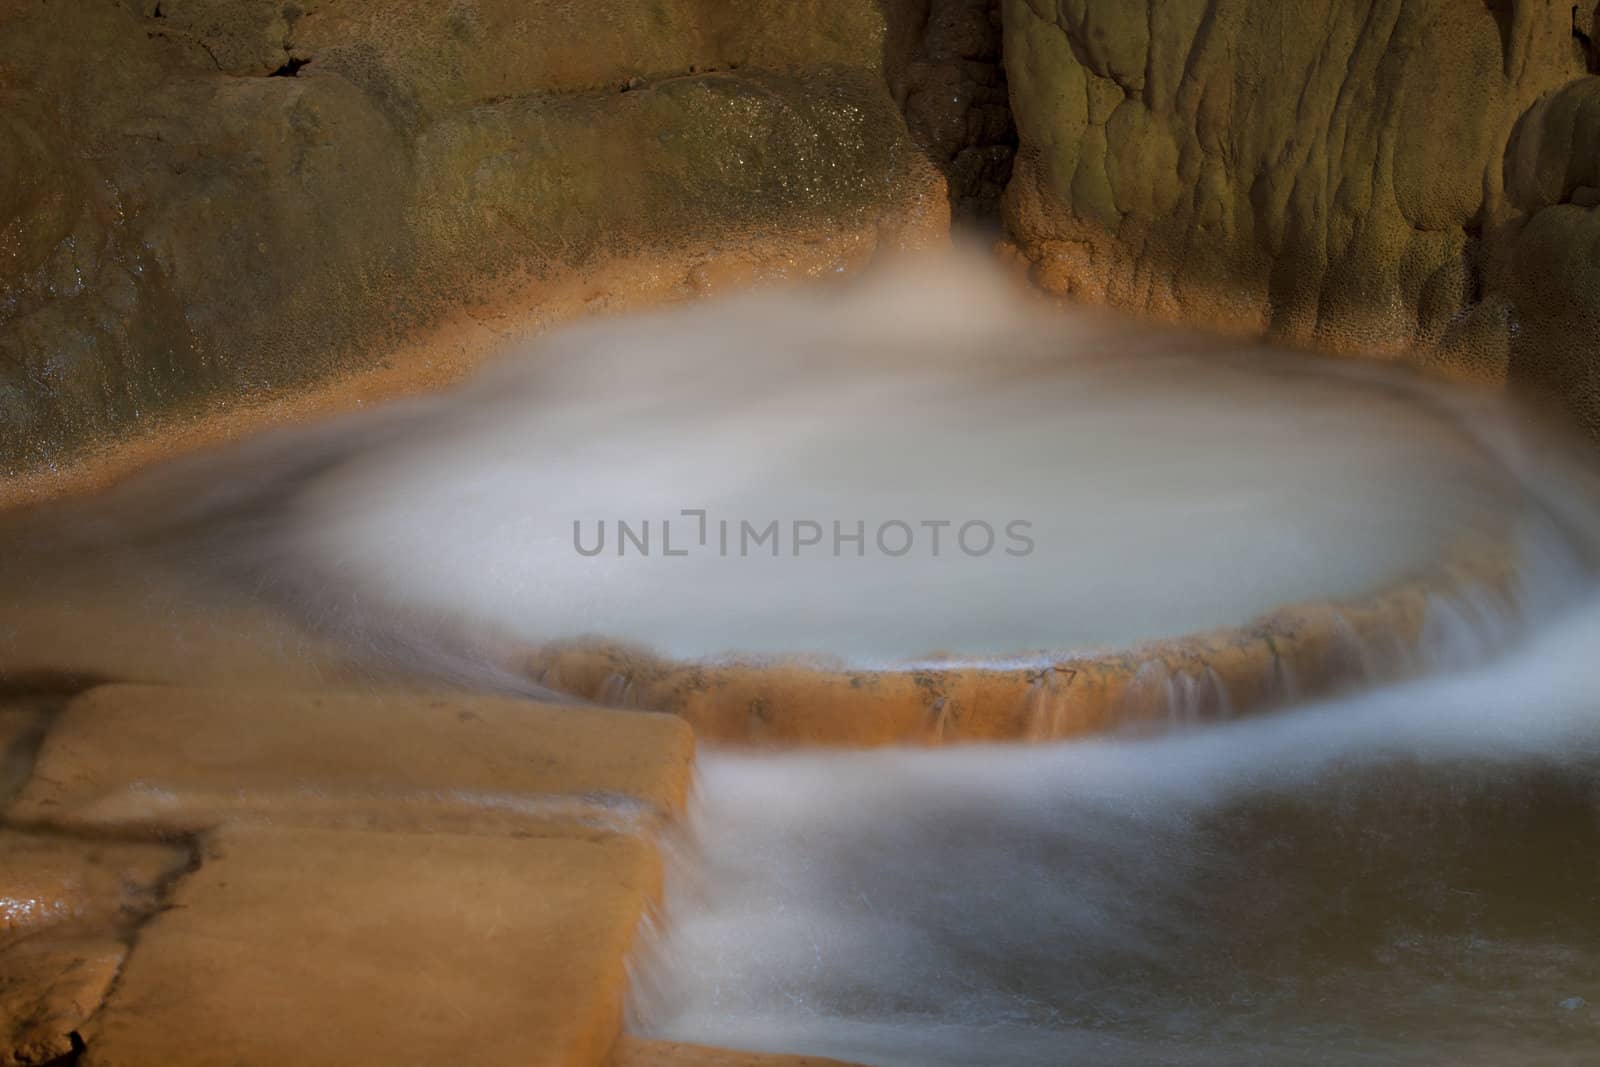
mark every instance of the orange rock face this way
{"type": "Point", "coordinates": [331, 948]}
{"type": "Point", "coordinates": [1294, 653]}
{"type": "Point", "coordinates": [49, 987]}
{"type": "Point", "coordinates": [184, 760]}
{"type": "Point", "coordinates": [374, 878]}
{"type": "Point", "coordinates": [210, 205]}
{"type": "Point", "coordinates": [1402, 180]}
{"type": "Point", "coordinates": [67, 906]}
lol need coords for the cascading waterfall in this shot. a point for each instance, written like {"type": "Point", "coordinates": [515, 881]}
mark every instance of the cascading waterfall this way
{"type": "Point", "coordinates": [1406, 876]}
{"type": "Point", "coordinates": [1408, 872]}
{"type": "Point", "coordinates": [926, 468]}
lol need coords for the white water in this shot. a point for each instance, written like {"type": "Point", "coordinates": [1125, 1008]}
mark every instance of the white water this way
{"type": "Point", "coordinates": [1411, 876]}
{"type": "Point", "coordinates": [1138, 466]}
{"type": "Point", "coordinates": [1166, 484]}
{"type": "Point", "coordinates": [1406, 875]}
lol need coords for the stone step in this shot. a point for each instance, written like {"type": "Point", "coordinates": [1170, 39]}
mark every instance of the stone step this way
{"type": "Point", "coordinates": [180, 760]}
{"type": "Point", "coordinates": [333, 948]}
{"type": "Point", "coordinates": [49, 987]}
{"type": "Point", "coordinates": [66, 907]}
{"type": "Point", "coordinates": [51, 880]}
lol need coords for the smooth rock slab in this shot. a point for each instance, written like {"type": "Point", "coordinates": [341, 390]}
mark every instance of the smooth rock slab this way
{"type": "Point", "coordinates": [48, 988]}
{"type": "Point", "coordinates": [66, 905]}
{"type": "Point", "coordinates": [184, 760]}
{"type": "Point", "coordinates": [324, 948]}
{"type": "Point", "coordinates": [49, 881]}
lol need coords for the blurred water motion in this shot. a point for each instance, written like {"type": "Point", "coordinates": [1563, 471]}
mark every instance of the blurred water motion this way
{"type": "Point", "coordinates": [1408, 874]}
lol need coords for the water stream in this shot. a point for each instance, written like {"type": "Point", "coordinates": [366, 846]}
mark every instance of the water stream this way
{"type": "Point", "coordinates": [1408, 874]}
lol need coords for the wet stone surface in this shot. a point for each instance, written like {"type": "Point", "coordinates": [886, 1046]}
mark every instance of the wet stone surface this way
{"type": "Point", "coordinates": [242, 877]}
{"type": "Point", "coordinates": [184, 760]}
{"type": "Point", "coordinates": [67, 908]}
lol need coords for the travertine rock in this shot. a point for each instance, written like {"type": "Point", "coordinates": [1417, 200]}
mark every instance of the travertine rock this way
{"type": "Point", "coordinates": [48, 988]}
{"type": "Point", "coordinates": [477, 901]}
{"type": "Point", "coordinates": [327, 948]}
{"type": "Point", "coordinates": [66, 906]}
{"type": "Point", "coordinates": [48, 880]}
{"type": "Point", "coordinates": [182, 760]}
{"type": "Point", "coordinates": [211, 201]}
{"type": "Point", "coordinates": [1333, 174]}
{"type": "Point", "coordinates": [431, 57]}
{"type": "Point", "coordinates": [1288, 655]}
{"type": "Point", "coordinates": [947, 73]}
{"type": "Point", "coordinates": [1543, 274]}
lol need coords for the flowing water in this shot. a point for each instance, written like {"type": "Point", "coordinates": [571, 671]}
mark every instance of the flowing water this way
{"type": "Point", "coordinates": [1411, 876]}
{"type": "Point", "coordinates": [1408, 874]}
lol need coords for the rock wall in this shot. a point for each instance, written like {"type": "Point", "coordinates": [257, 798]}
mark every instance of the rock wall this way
{"type": "Point", "coordinates": [1544, 274]}
{"type": "Point", "coordinates": [947, 72]}
{"type": "Point", "coordinates": [1391, 177]}
{"type": "Point", "coordinates": [204, 201]}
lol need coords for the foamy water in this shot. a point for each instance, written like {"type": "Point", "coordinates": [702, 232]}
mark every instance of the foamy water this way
{"type": "Point", "coordinates": [1411, 876]}
{"type": "Point", "coordinates": [926, 464]}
